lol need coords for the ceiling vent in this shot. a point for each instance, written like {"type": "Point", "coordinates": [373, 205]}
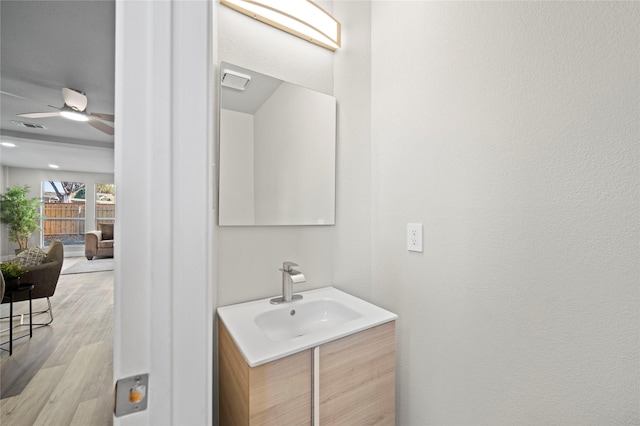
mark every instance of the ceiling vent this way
{"type": "Point", "coordinates": [28, 125]}
{"type": "Point", "coordinates": [235, 80]}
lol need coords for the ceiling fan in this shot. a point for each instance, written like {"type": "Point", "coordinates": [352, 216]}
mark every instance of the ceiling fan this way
{"type": "Point", "coordinates": [74, 108]}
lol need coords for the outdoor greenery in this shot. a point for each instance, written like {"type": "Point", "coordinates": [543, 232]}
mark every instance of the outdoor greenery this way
{"type": "Point", "coordinates": [11, 270]}
{"type": "Point", "coordinates": [106, 188]}
{"type": "Point", "coordinates": [65, 191]}
{"type": "Point", "coordinates": [20, 214]}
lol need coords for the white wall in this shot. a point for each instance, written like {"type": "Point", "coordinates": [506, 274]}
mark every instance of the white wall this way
{"type": "Point", "coordinates": [352, 243]}
{"type": "Point", "coordinates": [294, 165]}
{"type": "Point", "coordinates": [4, 170]}
{"type": "Point", "coordinates": [249, 257]}
{"type": "Point", "coordinates": [35, 177]}
{"type": "Point", "coordinates": [510, 130]}
{"type": "Point", "coordinates": [236, 175]}
{"type": "Point", "coordinates": [4, 243]}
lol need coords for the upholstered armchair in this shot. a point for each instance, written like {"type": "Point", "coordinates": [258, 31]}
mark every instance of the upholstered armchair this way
{"type": "Point", "coordinates": [2, 286]}
{"type": "Point", "coordinates": [99, 243]}
{"type": "Point", "coordinates": [44, 277]}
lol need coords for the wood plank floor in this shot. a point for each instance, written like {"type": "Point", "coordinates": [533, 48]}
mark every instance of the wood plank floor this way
{"type": "Point", "coordinates": [63, 375]}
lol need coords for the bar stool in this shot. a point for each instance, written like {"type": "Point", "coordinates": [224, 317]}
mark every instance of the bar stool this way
{"type": "Point", "coordinates": [8, 297]}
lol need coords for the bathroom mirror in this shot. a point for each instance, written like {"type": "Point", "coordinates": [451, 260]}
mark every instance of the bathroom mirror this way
{"type": "Point", "coordinates": [277, 151]}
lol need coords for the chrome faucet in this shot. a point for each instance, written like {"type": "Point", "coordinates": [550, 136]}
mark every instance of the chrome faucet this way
{"type": "Point", "coordinates": [289, 277]}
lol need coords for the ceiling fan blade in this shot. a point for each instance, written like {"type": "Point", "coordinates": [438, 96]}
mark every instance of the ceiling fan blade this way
{"type": "Point", "coordinates": [104, 117]}
{"type": "Point", "coordinates": [74, 98]}
{"type": "Point", "coordinates": [27, 99]}
{"type": "Point", "coordinates": [39, 114]}
{"type": "Point", "coordinates": [100, 125]}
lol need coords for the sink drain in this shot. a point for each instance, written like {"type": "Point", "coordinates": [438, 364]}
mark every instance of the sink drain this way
{"type": "Point", "coordinates": [293, 312]}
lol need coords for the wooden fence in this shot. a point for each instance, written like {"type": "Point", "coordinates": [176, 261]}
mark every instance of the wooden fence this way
{"type": "Point", "coordinates": [105, 211]}
{"type": "Point", "coordinates": [69, 218]}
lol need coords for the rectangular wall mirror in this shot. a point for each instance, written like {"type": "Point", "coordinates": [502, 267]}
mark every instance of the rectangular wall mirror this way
{"type": "Point", "coordinates": [277, 151]}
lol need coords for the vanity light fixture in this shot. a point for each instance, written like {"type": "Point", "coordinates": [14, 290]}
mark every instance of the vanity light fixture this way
{"type": "Point", "coordinates": [302, 18]}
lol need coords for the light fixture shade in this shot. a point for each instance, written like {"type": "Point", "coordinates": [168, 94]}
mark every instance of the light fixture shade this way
{"type": "Point", "coordinates": [73, 115]}
{"type": "Point", "coordinates": [302, 18]}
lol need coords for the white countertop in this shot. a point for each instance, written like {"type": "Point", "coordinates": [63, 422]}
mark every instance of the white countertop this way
{"type": "Point", "coordinates": [257, 348]}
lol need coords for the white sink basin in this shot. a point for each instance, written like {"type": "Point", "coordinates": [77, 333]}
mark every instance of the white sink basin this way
{"type": "Point", "coordinates": [264, 332]}
{"type": "Point", "coordinates": [307, 316]}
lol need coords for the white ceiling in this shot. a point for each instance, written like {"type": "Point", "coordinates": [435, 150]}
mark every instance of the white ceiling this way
{"type": "Point", "coordinates": [47, 45]}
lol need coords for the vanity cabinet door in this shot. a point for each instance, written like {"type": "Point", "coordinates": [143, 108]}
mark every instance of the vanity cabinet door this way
{"type": "Point", "coordinates": [280, 391]}
{"type": "Point", "coordinates": [357, 378]}
{"type": "Point", "coordinates": [276, 393]}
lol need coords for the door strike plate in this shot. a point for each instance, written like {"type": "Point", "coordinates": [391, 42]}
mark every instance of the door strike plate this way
{"type": "Point", "coordinates": [132, 394]}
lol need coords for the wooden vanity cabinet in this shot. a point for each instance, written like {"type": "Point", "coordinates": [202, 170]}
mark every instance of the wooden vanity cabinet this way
{"type": "Point", "coordinates": [358, 378]}
{"type": "Point", "coordinates": [355, 375]}
{"type": "Point", "coordinates": [275, 393]}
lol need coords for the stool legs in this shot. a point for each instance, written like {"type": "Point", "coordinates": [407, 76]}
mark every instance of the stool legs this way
{"type": "Point", "coordinates": [30, 315]}
{"type": "Point", "coordinates": [11, 319]}
{"type": "Point", "coordinates": [10, 324]}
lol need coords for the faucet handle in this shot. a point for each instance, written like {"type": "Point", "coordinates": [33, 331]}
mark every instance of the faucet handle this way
{"type": "Point", "coordinates": [288, 266]}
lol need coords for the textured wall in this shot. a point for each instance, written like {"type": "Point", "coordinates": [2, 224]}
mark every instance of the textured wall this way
{"type": "Point", "coordinates": [352, 82]}
{"type": "Point", "coordinates": [510, 130]}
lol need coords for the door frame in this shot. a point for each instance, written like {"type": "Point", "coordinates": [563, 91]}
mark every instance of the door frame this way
{"type": "Point", "coordinates": [164, 293]}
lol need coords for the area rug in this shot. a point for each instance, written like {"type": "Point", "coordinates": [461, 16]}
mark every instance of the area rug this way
{"type": "Point", "coordinates": [95, 265]}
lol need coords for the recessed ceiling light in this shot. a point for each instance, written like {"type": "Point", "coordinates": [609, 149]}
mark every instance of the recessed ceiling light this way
{"type": "Point", "coordinates": [28, 125]}
{"type": "Point", "coordinates": [54, 166]}
{"type": "Point", "coordinates": [8, 144]}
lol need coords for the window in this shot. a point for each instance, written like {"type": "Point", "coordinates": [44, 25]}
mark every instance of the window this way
{"type": "Point", "coordinates": [64, 212]}
{"type": "Point", "coordinates": [105, 203]}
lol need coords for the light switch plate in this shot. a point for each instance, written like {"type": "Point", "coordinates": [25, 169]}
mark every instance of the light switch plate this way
{"type": "Point", "coordinates": [132, 394]}
{"type": "Point", "coordinates": [414, 237]}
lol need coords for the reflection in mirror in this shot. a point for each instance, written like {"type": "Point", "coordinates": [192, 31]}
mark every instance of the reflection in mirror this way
{"type": "Point", "coordinates": [277, 151]}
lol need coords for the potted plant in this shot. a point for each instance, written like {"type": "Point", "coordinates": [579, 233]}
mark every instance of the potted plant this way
{"type": "Point", "coordinates": [20, 214]}
{"type": "Point", "coordinates": [11, 271]}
